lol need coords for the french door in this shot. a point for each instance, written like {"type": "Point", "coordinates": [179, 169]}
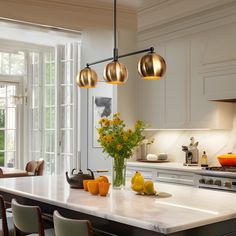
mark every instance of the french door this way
{"type": "Point", "coordinates": [10, 99]}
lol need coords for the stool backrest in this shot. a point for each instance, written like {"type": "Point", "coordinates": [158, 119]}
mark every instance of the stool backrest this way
{"type": "Point", "coordinates": [35, 167]}
{"type": "Point", "coordinates": [27, 219]}
{"type": "Point", "coordinates": [71, 227]}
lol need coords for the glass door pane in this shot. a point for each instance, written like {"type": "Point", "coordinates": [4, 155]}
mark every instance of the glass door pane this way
{"type": "Point", "coordinates": [8, 115]}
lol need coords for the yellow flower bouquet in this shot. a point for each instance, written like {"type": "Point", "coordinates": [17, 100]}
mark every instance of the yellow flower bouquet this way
{"type": "Point", "coordinates": [119, 143]}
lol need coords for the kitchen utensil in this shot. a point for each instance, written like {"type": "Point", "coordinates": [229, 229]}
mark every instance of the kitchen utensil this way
{"type": "Point", "coordinates": [227, 159]}
{"type": "Point", "coordinates": [76, 180]}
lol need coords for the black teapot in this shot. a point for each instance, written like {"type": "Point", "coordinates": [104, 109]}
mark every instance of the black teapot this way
{"type": "Point", "coordinates": [76, 180]}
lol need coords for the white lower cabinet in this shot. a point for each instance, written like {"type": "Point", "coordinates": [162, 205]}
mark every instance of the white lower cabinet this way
{"type": "Point", "coordinates": [177, 177]}
{"type": "Point", "coordinates": [147, 173]}
{"type": "Point", "coordinates": [167, 176]}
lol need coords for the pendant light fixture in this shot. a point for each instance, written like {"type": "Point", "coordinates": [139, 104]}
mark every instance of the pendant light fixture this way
{"type": "Point", "coordinates": [150, 67]}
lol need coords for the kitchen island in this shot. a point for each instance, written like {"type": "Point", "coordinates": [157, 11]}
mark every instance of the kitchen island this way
{"type": "Point", "coordinates": [188, 211]}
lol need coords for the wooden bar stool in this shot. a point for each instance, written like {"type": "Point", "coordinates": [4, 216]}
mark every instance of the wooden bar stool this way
{"type": "Point", "coordinates": [71, 227]}
{"type": "Point", "coordinates": [6, 225]}
{"type": "Point", "coordinates": [34, 167]}
{"type": "Point", "coordinates": [28, 219]}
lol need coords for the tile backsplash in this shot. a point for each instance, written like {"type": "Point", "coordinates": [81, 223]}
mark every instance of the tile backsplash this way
{"type": "Point", "coordinates": [214, 142]}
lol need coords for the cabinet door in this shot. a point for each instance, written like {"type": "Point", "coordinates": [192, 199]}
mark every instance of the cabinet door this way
{"type": "Point", "coordinates": [175, 177]}
{"type": "Point", "coordinates": [163, 103]}
{"type": "Point", "coordinates": [147, 173]}
{"type": "Point", "coordinates": [204, 113]}
{"type": "Point", "coordinates": [176, 83]}
{"type": "Point", "coordinates": [150, 99]}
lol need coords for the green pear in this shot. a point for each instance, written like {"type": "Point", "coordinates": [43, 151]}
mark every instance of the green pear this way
{"type": "Point", "coordinates": [149, 188]}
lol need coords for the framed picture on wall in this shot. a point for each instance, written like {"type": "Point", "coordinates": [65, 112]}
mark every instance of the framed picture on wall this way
{"type": "Point", "coordinates": [102, 107]}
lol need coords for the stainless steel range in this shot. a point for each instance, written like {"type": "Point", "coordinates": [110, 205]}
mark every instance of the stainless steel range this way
{"type": "Point", "coordinates": [220, 178]}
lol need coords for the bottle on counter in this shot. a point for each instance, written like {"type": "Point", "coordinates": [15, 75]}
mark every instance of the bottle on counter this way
{"type": "Point", "coordinates": [204, 161]}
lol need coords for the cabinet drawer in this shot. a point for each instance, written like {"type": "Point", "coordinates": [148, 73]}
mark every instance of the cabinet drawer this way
{"type": "Point", "coordinates": [147, 174]}
{"type": "Point", "coordinates": [175, 178]}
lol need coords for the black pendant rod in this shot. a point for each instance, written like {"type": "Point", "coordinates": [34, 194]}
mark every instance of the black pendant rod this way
{"type": "Point", "coordinates": [151, 49]}
{"type": "Point", "coordinates": [115, 50]}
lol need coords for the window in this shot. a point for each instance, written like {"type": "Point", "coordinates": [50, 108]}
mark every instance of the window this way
{"type": "Point", "coordinates": [38, 97]}
{"type": "Point", "coordinates": [52, 105]}
{"type": "Point", "coordinates": [7, 124]}
{"type": "Point", "coordinates": [12, 63]}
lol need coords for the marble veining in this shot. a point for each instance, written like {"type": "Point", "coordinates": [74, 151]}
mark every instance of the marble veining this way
{"type": "Point", "coordinates": [188, 207]}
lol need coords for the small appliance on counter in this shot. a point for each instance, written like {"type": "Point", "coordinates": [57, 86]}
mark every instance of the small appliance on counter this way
{"type": "Point", "coordinates": [191, 153]}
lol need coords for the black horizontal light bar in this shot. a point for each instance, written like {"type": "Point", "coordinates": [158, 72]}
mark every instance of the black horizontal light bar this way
{"type": "Point", "coordinates": [151, 49]}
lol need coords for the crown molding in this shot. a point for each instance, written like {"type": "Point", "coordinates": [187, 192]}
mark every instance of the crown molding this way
{"type": "Point", "coordinates": [150, 5]}
{"type": "Point", "coordinates": [198, 22]}
{"type": "Point", "coordinates": [166, 11]}
{"type": "Point", "coordinates": [77, 15]}
{"type": "Point", "coordinates": [98, 4]}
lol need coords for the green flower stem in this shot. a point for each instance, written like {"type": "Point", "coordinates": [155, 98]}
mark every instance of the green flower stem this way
{"type": "Point", "coordinates": [119, 170]}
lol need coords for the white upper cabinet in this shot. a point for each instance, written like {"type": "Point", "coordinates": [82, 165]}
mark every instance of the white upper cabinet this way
{"type": "Point", "coordinates": [198, 44]}
{"type": "Point", "coordinates": [202, 113]}
{"type": "Point", "coordinates": [176, 84]}
{"type": "Point", "coordinates": [179, 101]}
{"type": "Point", "coordinates": [219, 64]}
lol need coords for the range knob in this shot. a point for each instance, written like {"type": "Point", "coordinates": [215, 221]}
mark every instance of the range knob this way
{"type": "Point", "coordinates": [209, 181]}
{"type": "Point", "coordinates": [202, 181]}
{"type": "Point", "coordinates": [227, 184]}
{"type": "Point", "coordinates": [218, 182]}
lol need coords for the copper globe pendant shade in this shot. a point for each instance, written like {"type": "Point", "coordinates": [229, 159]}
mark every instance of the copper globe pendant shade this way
{"type": "Point", "coordinates": [151, 66]}
{"type": "Point", "coordinates": [87, 78]}
{"type": "Point", "coordinates": [115, 73]}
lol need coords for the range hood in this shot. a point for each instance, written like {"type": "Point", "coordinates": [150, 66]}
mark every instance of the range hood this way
{"type": "Point", "coordinates": [218, 68]}
{"type": "Point", "coordinates": [220, 88]}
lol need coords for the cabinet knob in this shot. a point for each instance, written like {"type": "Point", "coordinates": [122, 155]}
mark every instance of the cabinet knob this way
{"type": "Point", "coordinates": [227, 184]}
{"type": "Point", "coordinates": [209, 181]}
{"type": "Point", "coordinates": [202, 181]}
{"type": "Point", "coordinates": [218, 182]}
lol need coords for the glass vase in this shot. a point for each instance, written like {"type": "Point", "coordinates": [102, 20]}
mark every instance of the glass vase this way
{"type": "Point", "coordinates": [118, 172]}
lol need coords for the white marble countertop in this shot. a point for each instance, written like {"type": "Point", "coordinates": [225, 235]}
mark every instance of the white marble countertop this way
{"type": "Point", "coordinates": [188, 207]}
{"type": "Point", "coordinates": [164, 165]}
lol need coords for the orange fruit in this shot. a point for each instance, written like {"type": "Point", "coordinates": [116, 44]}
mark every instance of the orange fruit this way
{"type": "Point", "coordinates": [103, 188]}
{"type": "Point", "coordinates": [102, 178]}
{"type": "Point", "coordinates": [93, 187]}
{"type": "Point", "coordinates": [85, 184]}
